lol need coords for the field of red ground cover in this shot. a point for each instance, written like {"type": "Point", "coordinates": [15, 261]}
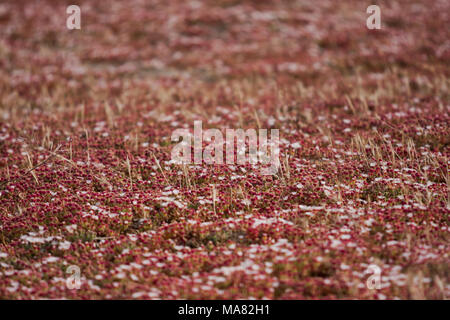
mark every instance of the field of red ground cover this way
{"type": "Point", "coordinates": [86, 177]}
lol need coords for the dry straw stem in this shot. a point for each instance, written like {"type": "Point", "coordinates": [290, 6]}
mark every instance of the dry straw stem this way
{"type": "Point", "coordinates": [129, 172]}
{"type": "Point", "coordinates": [161, 169]}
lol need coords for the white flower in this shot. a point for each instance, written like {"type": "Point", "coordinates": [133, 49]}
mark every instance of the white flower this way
{"type": "Point", "coordinates": [64, 245]}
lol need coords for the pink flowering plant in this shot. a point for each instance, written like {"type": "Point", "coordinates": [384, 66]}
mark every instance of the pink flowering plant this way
{"type": "Point", "coordinates": [93, 205]}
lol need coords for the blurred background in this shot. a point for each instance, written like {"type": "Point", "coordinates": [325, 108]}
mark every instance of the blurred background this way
{"type": "Point", "coordinates": [123, 44]}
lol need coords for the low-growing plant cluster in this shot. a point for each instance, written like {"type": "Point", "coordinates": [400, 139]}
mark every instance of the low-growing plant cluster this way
{"type": "Point", "coordinates": [86, 176]}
